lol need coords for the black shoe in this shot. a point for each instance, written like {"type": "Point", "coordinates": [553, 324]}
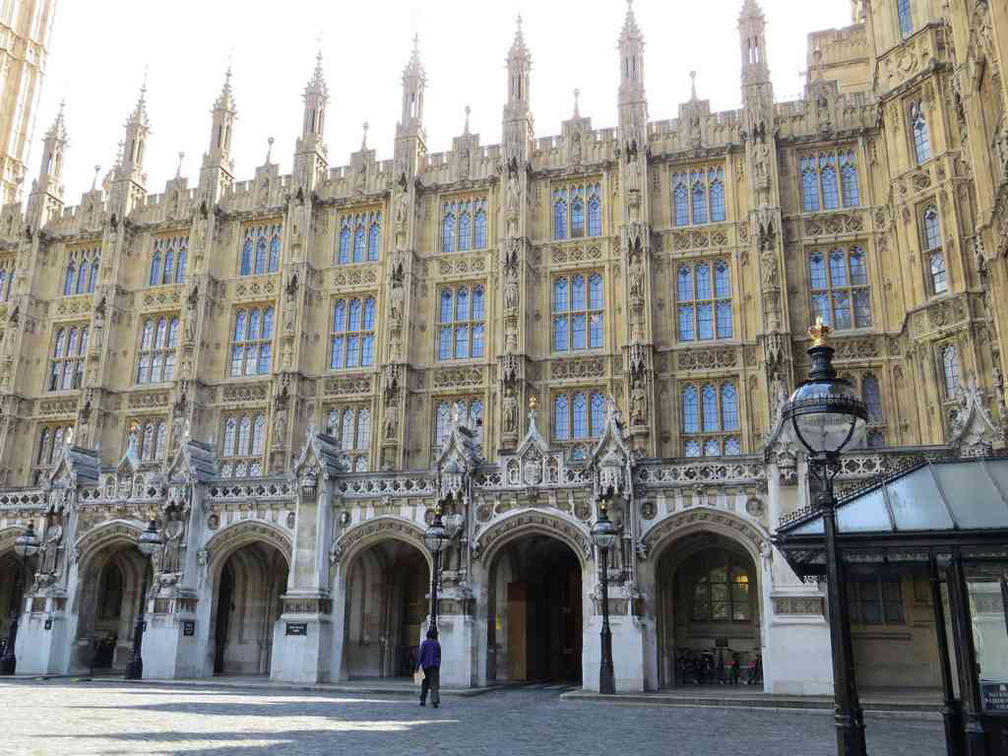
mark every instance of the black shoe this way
{"type": "Point", "coordinates": [436, 705]}
{"type": "Point", "coordinates": [422, 703]}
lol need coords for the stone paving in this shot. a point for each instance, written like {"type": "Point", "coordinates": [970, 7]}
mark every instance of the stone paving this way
{"type": "Point", "coordinates": [106, 717]}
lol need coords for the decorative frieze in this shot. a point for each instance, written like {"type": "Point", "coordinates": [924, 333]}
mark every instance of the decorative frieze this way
{"type": "Point", "coordinates": [792, 605]}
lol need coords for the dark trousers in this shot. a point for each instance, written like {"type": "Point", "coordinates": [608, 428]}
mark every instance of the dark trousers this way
{"type": "Point", "coordinates": [431, 682]}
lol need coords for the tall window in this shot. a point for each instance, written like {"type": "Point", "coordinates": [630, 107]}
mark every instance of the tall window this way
{"type": "Point", "coordinates": [148, 438]}
{"type": "Point", "coordinates": [921, 134]}
{"type": "Point", "coordinates": [353, 337]}
{"type": "Point", "coordinates": [168, 263]}
{"type": "Point", "coordinates": [829, 180]}
{"type": "Point", "coordinates": [871, 395]}
{"type": "Point", "coordinates": [359, 238]}
{"type": "Point", "coordinates": [50, 440]}
{"type": "Point", "coordinates": [703, 294]}
{"type": "Point", "coordinates": [470, 413]}
{"type": "Point", "coordinates": [905, 14]}
{"type": "Point", "coordinates": [934, 250]}
{"type": "Point", "coordinates": [463, 225]}
{"type": "Point", "coordinates": [950, 370]}
{"type": "Point", "coordinates": [840, 291]}
{"type": "Point", "coordinates": [577, 211]}
{"type": "Point", "coordinates": [66, 368]}
{"type": "Point", "coordinates": [260, 253]}
{"type": "Point", "coordinates": [578, 416]}
{"type": "Point", "coordinates": [698, 196]}
{"type": "Point", "coordinates": [710, 414]}
{"type": "Point", "coordinates": [6, 278]}
{"type": "Point", "coordinates": [252, 342]}
{"type": "Point", "coordinates": [876, 601]}
{"type": "Point", "coordinates": [461, 315]}
{"type": "Point", "coordinates": [81, 272]}
{"type": "Point", "coordinates": [244, 445]}
{"type": "Point", "coordinates": [721, 586]}
{"type": "Point", "coordinates": [157, 349]}
{"type": "Point", "coordinates": [578, 303]}
{"type": "Point", "coordinates": [352, 426]}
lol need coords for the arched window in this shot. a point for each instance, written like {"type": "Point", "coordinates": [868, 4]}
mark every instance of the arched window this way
{"type": "Point", "coordinates": [481, 228]}
{"type": "Point", "coordinates": [939, 277]}
{"type": "Point", "coordinates": [577, 214]}
{"type": "Point", "coordinates": [69, 279]}
{"type": "Point", "coordinates": [244, 445]}
{"type": "Point", "coordinates": [680, 200]}
{"type": "Point", "coordinates": [594, 213]}
{"type": "Point", "coordinates": [711, 420]}
{"type": "Point", "coordinates": [448, 233]}
{"type": "Point", "coordinates": [252, 344]}
{"type": "Point", "coordinates": [810, 186]}
{"type": "Point", "coordinates": [578, 416]}
{"type": "Point", "coordinates": [169, 264]}
{"type": "Point", "coordinates": [699, 202]}
{"type": "Point", "coordinates": [359, 245]}
{"type": "Point", "coordinates": [180, 267]}
{"type": "Point", "coordinates": [461, 317]}
{"type": "Point", "coordinates": [155, 270]}
{"type": "Point", "coordinates": [561, 419]}
{"type": "Point", "coordinates": [559, 217]}
{"type": "Point", "coordinates": [344, 244]}
{"type": "Point", "coordinates": [66, 367]}
{"type": "Point", "coordinates": [932, 228]}
{"type": "Point", "coordinates": [849, 177]}
{"type": "Point", "coordinates": [157, 350]}
{"type": "Point", "coordinates": [465, 231]}
{"type": "Point", "coordinates": [830, 189]}
{"type": "Point", "coordinates": [872, 397]}
{"type": "Point", "coordinates": [374, 241]}
{"type": "Point", "coordinates": [261, 247]}
{"type": "Point", "coordinates": [921, 135]}
{"type": "Point", "coordinates": [442, 423]}
{"type": "Point", "coordinates": [840, 292]}
{"type": "Point", "coordinates": [704, 307]}
{"type": "Point", "coordinates": [711, 416]}
{"type": "Point", "coordinates": [905, 15]}
{"type": "Point", "coordinates": [230, 437]}
{"type": "Point", "coordinates": [691, 410]}
{"type": "Point", "coordinates": [729, 407]}
{"type": "Point", "coordinates": [717, 199]}
{"type": "Point", "coordinates": [352, 338]}
{"type": "Point", "coordinates": [721, 587]}
{"type": "Point", "coordinates": [579, 406]}
{"type": "Point", "coordinates": [597, 413]}
{"type": "Point", "coordinates": [950, 369]}
{"type": "Point", "coordinates": [578, 318]}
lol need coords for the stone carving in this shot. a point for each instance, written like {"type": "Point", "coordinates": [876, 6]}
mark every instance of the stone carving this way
{"type": "Point", "coordinates": [52, 545]}
{"type": "Point", "coordinates": [174, 538]}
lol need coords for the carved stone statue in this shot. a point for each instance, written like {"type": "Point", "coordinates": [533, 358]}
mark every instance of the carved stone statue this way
{"type": "Point", "coordinates": [174, 531]}
{"type": "Point", "coordinates": [636, 276]}
{"type": "Point", "coordinates": [53, 542]}
{"type": "Point", "coordinates": [510, 410]}
{"type": "Point", "coordinates": [280, 427]}
{"type": "Point", "coordinates": [513, 194]}
{"type": "Point", "coordinates": [638, 404]}
{"type": "Point", "coordinates": [391, 422]}
{"type": "Point", "coordinates": [402, 210]}
{"type": "Point", "coordinates": [398, 295]}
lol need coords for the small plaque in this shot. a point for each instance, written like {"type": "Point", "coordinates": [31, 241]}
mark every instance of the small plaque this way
{"type": "Point", "coordinates": [995, 696]}
{"type": "Point", "coordinates": [297, 628]}
{"type": "Point", "coordinates": [188, 627]}
{"type": "Point", "coordinates": [48, 623]}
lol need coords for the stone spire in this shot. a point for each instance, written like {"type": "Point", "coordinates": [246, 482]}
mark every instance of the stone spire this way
{"type": "Point", "coordinates": [752, 37]}
{"type": "Point", "coordinates": [316, 97]}
{"type": "Point", "coordinates": [414, 80]}
{"type": "Point", "coordinates": [46, 198]}
{"type": "Point", "coordinates": [135, 142]}
{"type": "Point", "coordinates": [632, 98]}
{"type": "Point", "coordinates": [224, 114]}
{"type": "Point", "coordinates": [519, 65]}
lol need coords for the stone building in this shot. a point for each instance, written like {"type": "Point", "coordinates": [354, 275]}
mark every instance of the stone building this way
{"type": "Point", "coordinates": [287, 372]}
{"type": "Point", "coordinates": [25, 28]}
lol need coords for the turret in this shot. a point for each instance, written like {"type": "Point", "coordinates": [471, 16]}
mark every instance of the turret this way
{"type": "Point", "coordinates": [752, 37]}
{"type": "Point", "coordinates": [310, 159]}
{"type": "Point", "coordinates": [218, 166]}
{"type": "Point", "coordinates": [137, 131]}
{"type": "Point", "coordinates": [519, 65]}
{"type": "Point", "coordinates": [632, 99]}
{"type": "Point", "coordinates": [46, 198]}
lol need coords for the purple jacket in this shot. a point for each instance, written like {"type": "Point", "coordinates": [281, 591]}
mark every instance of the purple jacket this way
{"type": "Point", "coordinates": [430, 654]}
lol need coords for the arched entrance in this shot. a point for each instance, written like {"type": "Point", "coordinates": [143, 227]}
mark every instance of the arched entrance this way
{"type": "Point", "coordinates": [707, 612]}
{"type": "Point", "coordinates": [11, 593]}
{"type": "Point", "coordinates": [535, 611]}
{"type": "Point", "coordinates": [387, 595]}
{"type": "Point", "coordinates": [247, 590]}
{"type": "Point", "coordinates": [114, 582]}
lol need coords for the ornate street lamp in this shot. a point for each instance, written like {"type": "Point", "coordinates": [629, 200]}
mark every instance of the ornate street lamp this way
{"type": "Point", "coordinates": [604, 534]}
{"type": "Point", "coordinates": [26, 546]}
{"type": "Point", "coordinates": [149, 543]}
{"type": "Point", "coordinates": [825, 413]}
{"type": "Point", "coordinates": [437, 540]}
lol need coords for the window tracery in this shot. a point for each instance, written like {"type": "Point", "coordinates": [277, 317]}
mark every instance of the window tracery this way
{"type": "Point", "coordinates": [359, 238]}
{"type": "Point", "coordinates": [260, 252]}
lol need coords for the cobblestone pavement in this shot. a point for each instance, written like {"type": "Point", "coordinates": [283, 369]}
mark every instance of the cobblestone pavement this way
{"type": "Point", "coordinates": [69, 718]}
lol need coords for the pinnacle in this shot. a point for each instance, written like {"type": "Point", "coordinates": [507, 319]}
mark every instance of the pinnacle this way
{"type": "Point", "coordinates": [751, 8]}
{"type": "Point", "coordinates": [139, 114]}
{"type": "Point", "coordinates": [415, 67]}
{"type": "Point", "coordinates": [518, 47]}
{"type": "Point", "coordinates": [225, 101]}
{"type": "Point", "coordinates": [631, 32]}
{"type": "Point", "coordinates": [58, 128]}
{"type": "Point", "coordinates": [317, 85]}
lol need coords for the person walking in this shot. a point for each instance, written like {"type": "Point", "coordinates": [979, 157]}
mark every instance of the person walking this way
{"type": "Point", "coordinates": [430, 663]}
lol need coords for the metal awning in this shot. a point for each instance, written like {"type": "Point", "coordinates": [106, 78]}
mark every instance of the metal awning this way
{"type": "Point", "coordinates": [934, 507]}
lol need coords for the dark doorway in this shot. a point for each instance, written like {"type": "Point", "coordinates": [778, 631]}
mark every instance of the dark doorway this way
{"type": "Point", "coordinates": [535, 628]}
{"type": "Point", "coordinates": [225, 604]}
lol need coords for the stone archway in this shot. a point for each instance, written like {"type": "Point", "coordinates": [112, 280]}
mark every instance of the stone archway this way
{"type": "Point", "coordinates": [112, 584]}
{"type": "Point", "coordinates": [12, 582]}
{"type": "Point", "coordinates": [708, 607]}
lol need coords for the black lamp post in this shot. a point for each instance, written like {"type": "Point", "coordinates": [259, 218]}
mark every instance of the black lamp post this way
{"type": "Point", "coordinates": [26, 546]}
{"type": "Point", "coordinates": [149, 542]}
{"type": "Point", "coordinates": [604, 534]}
{"type": "Point", "coordinates": [825, 413]}
{"type": "Point", "coordinates": [437, 540]}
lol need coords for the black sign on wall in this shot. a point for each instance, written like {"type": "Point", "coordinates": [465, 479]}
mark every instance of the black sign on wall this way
{"type": "Point", "coordinates": [297, 628]}
{"type": "Point", "coordinates": [188, 627]}
{"type": "Point", "coordinates": [995, 696]}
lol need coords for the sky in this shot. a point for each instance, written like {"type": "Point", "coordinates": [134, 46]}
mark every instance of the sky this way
{"type": "Point", "coordinates": [101, 49]}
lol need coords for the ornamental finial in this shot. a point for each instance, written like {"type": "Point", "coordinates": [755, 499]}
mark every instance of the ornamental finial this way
{"type": "Point", "coordinates": [532, 402]}
{"type": "Point", "coordinates": [819, 332]}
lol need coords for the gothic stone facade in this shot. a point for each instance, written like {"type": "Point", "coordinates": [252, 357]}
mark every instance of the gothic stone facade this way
{"type": "Point", "coordinates": [287, 372]}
